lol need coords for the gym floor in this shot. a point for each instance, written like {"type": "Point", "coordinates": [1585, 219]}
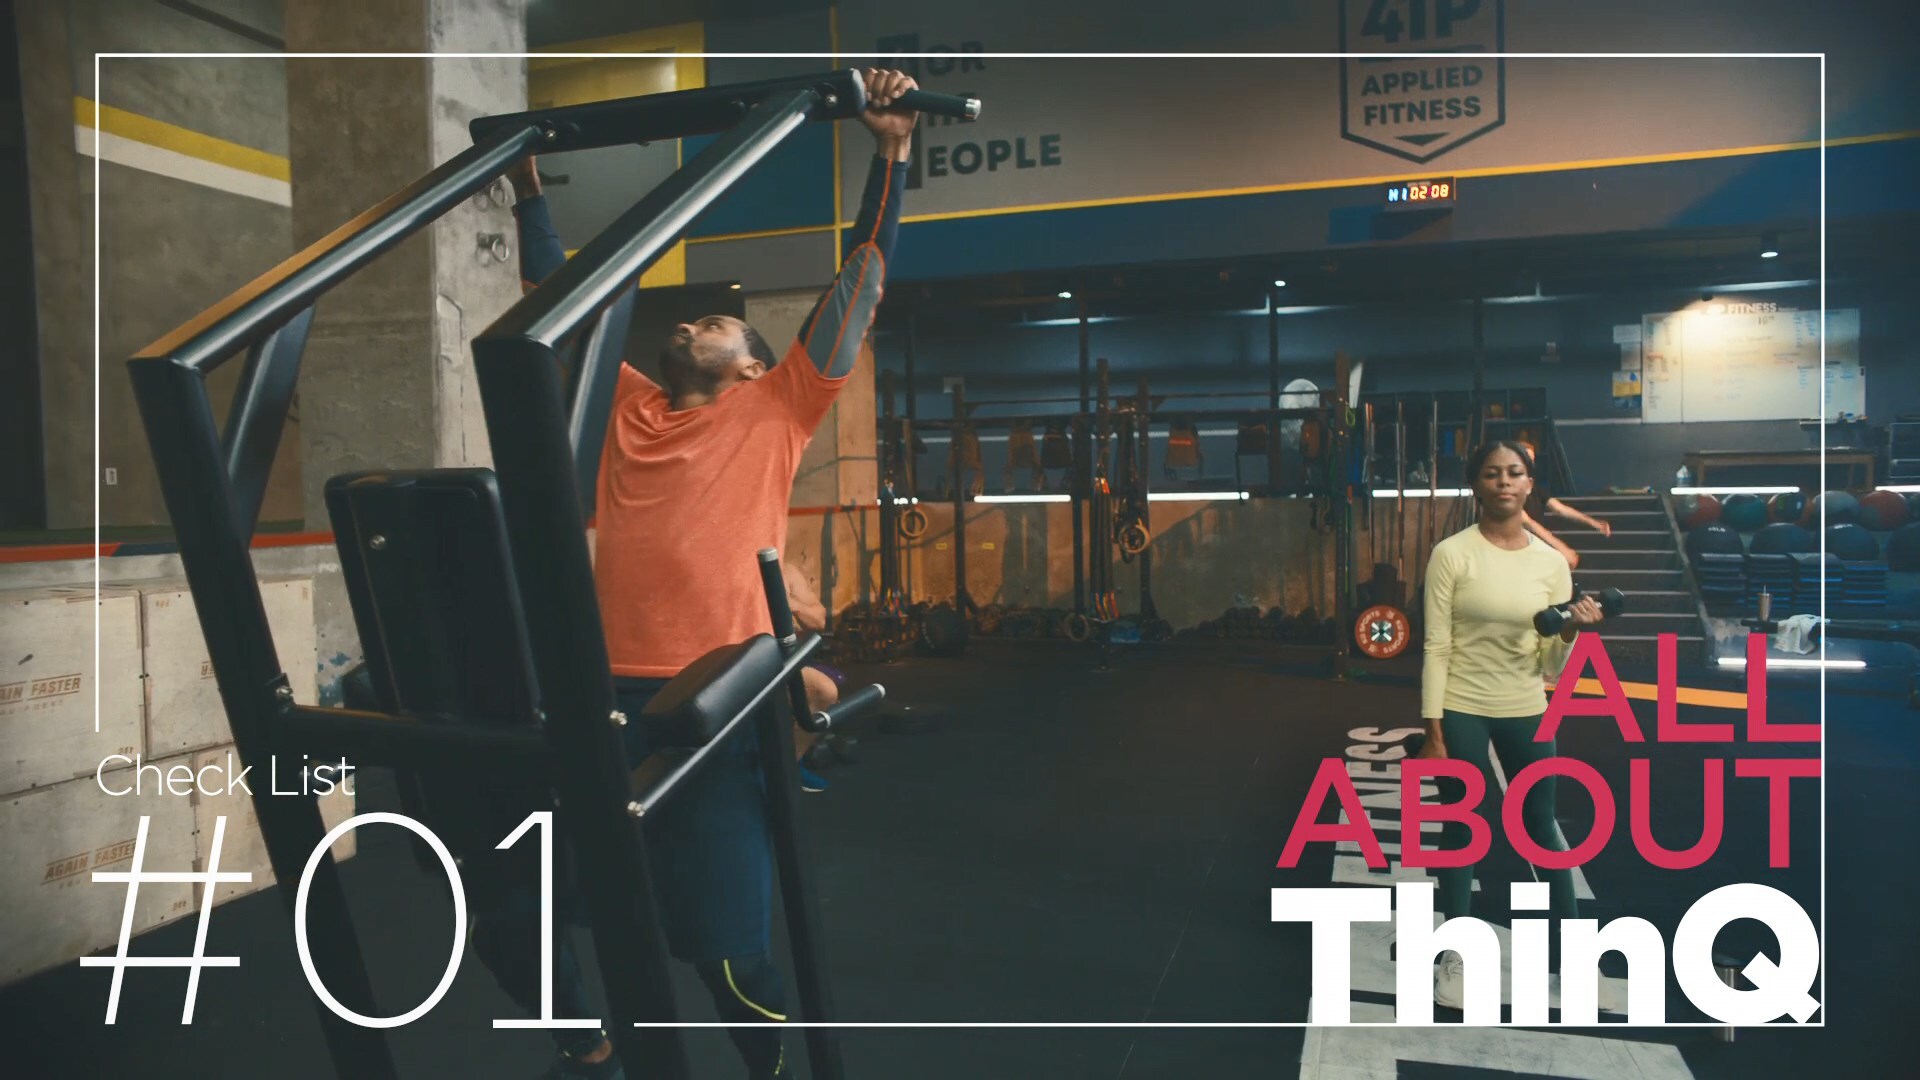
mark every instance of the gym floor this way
{"type": "Point", "coordinates": [1055, 843]}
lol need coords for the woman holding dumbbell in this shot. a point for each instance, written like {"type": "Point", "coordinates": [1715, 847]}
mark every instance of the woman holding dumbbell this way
{"type": "Point", "coordinates": [1481, 683]}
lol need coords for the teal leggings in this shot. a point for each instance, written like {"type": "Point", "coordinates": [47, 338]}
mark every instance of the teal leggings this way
{"type": "Point", "coordinates": [1467, 737]}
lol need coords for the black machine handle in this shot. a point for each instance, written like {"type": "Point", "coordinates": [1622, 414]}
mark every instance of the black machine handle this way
{"type": "Point", "coordinates": [1550, 621]}
{"type": "Point", "coordinates": [860, 702]}
{"type": "Point", "coordinates": [775, 584]}
{"type": "Point", "coordinates": [937, 104]}
{"type": "Point", "coordinates": [863, 700]}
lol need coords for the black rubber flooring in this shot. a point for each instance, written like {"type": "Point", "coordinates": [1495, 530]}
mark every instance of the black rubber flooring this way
{"type": "Point", "coordinates": [1055, 843]}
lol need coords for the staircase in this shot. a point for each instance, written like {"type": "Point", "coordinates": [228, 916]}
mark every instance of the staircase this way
{"type": "Point", "coordinates": [1644, 560]}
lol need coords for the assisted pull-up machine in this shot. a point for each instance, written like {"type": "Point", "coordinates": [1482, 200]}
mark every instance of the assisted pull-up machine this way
{"type": "Point", "coordinates": [473, 589]}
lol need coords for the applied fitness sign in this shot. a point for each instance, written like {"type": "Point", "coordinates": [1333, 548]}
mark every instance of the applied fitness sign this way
{"type": "Point", "coordinates": [1445, 91]}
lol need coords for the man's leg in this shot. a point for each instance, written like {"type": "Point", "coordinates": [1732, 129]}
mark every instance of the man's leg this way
{"type": "Point", "coordinates": [506, 938]}
{"type": "Point", "coordinates": [822, 691]}
{"type": "Point", "coordinates": [714, 863]}
{"type": "Point", "coordinates": [750, 990]}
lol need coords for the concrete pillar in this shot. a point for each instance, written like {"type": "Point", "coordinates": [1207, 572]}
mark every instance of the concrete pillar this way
{"type": "Point", "coordinates": [388, 379]}
{"type": "Point", "coordinates": [61, 197]}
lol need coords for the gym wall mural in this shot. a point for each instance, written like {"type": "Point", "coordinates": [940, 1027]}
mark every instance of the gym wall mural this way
{"type": "Point", "coordinates": [1123, 132]}
{"type": "Point", "coordinates": [1123, 129]}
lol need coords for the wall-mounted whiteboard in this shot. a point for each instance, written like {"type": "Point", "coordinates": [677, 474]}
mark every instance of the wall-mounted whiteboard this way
{"type": "Point", "coordinates": [1730, 362]}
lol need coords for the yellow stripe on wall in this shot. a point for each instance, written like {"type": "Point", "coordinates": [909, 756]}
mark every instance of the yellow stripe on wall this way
{"type": "Point", "coordinates": [1319, 185]}
{"type": "Point", "coordinates": [662, 60]}
{"type": "Point", "coordinates": [1323, 185]}
{"type": "Point", "coordinates": [764, 234]}
{"type": "Point", "coordinates": [193, 144]}
{"type": "Point", "coordinates": [686, 40]}
{"type": "Point", "coordinates": [669, 269]}
{"type": "Point", "coordinates": [1389, 178]}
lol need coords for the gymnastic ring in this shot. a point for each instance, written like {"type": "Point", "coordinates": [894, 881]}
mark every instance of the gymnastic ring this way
{"type": "Point", "coordinates": [913, 523]}
{"type": "Point", "coordinates": [1134, 538]}
{"type": "Point", "coordinates": [1076, 627]}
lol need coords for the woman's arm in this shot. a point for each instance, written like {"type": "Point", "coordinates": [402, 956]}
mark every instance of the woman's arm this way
{"type": "Point", "coordinates": [1555, 649]}
{"type": "Point", "coordinates": [1547, 538]}
{"type": "Point", "coordinates": [1594, 523]}
{"type": "Point", "coordinates": [1441, 575]}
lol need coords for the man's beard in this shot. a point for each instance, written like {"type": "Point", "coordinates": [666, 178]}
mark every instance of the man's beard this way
{"type": "Point", "coordinates": [683, 373]}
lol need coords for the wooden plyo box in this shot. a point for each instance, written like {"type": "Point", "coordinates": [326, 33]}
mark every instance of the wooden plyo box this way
{"type": "Point", "coordinates": [184, 710]}
{"type": "Point", "coordinates": [243, 848]}
{"type": "Point", "coordinates": [57, 837]}
{"type": "Point", "coordinates": [48, 729]}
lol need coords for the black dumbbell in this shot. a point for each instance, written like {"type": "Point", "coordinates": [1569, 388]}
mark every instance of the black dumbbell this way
{"type": "Point", "coordinates": [1550, 621]}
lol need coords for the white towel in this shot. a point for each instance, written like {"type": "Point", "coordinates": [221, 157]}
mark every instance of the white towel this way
{"type": "Point", "coordinates": [1796, 633]}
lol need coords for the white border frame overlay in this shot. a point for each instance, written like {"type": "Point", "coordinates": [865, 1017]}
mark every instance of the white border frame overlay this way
{"type": "Point", "coordinates": [1821, 990]}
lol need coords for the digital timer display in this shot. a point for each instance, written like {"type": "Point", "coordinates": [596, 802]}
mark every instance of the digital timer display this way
{"type": "Point", "coordinates": [1421, 194]}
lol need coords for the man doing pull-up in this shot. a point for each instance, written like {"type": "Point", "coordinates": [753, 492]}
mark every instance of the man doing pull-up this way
{"type": "Point", "coordinates": [695, 480]}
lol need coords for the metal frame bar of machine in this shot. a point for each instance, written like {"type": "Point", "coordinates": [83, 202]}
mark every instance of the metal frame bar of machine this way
{"type": "Point", "coordinates": [212, 489]}
{"type": "Point", "coordinates": [545, 508]}
{"type": "Point", "coordinates": [544, 438]}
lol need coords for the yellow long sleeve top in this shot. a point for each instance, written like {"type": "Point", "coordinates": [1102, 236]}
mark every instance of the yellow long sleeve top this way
{"type": "Point", "coordinates": [1483, 655]}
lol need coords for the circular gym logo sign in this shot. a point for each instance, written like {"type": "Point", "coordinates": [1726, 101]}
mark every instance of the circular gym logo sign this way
{"type": "Point", "coordinates": [1444, 91]}
{"type": "Point", "coordinates": [1382, 632]}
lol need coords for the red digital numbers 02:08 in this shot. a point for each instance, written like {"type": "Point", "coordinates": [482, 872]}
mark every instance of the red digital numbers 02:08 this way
{"type": "Point", "coordinates": [1430, 192]}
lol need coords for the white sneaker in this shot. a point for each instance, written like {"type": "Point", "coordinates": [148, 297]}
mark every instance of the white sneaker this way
{"type": "Point", "coordinates": [1448, 989]}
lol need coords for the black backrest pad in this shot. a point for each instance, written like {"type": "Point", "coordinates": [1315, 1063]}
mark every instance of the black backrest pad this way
{"type": "Point", "coordinates": [430, 577]}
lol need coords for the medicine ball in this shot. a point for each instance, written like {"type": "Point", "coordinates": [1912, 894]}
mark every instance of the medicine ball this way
{"type": "Point", "coordinates": [1784, 538]}
{"type": "Point", "coordinates": [1714, 540]}
{"type": "Point", "coordinates": [1694, 511]}
{"type": "Point", "coordinates": [1851, 543]}
{"type": "Point", "coordinates": [1788, 506]}
{"type": "Point", "coordinates": [1743, 512]}
{"type": "Point", "coordinates": [1883, 511]}
{"type": "Point", "coordinates": [1903, 548]}
{"type": "Point", "coordinates": [1913, 505]}
{"type": "Point", "coordinates": [943, 631]}
{"type": "Point", "coordinates": [1836, 508]}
